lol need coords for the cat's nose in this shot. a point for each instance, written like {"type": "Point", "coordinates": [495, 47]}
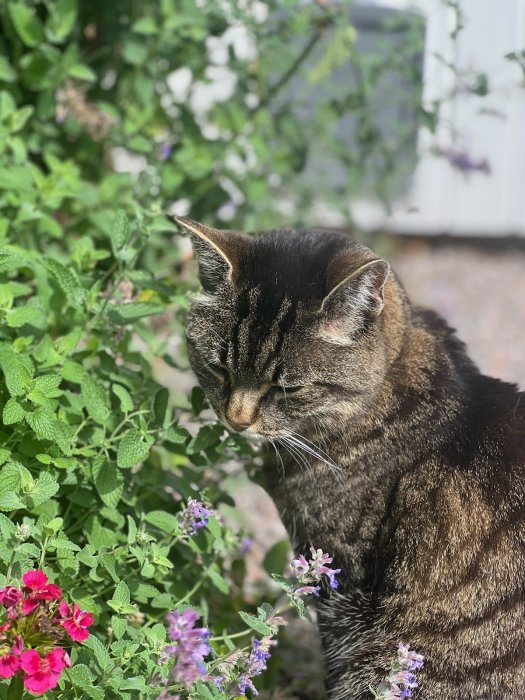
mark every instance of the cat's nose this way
{"type": "Point", "coordinates": [236, 425]}
{"type": "Point", "coordinates": [242, 408]}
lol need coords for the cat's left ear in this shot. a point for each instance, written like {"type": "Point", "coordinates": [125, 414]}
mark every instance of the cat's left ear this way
{"type": "Point", "coordinates": [351, 297]}
{"type": "Point", "coordinates": [218, 252]}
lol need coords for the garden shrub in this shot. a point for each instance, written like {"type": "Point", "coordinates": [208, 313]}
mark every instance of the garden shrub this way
{"type": "Point", "coordinates": [105, 483]}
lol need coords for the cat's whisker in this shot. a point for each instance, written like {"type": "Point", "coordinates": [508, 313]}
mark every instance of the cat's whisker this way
{"type": "Point", "coordinates": [314, 450]}
{"type": "Point", "coordinates": [272, 443]}
{"type": "Point", "coordinates": [334, 468]}
{"type": "Point", "coordinates": [297, 456]}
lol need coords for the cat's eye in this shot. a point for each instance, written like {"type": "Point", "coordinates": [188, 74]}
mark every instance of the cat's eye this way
{"type": "Point", "coordinates": [219, 371]}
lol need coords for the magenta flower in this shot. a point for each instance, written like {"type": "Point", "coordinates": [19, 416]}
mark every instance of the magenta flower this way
{"type": "Point", "coordinates": [42, 674]}
{"type": "Point", "coordinates": [10, 656]}
{"type": "Point", "coordinates": [190, 648]}
{"type": "Point", "coordinates": [77, 621]}
{"type": "Point", "coordinates": [10, 596]}
{"type": "Point", "coordinates": [38, 589]}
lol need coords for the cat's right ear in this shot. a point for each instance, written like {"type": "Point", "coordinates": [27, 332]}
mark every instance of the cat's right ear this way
{"type": "Point", "coordinates": [218, 252]}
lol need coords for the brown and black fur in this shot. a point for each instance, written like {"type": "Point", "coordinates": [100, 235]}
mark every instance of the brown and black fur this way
{"type": "Point", "coordinates": [412, 470]}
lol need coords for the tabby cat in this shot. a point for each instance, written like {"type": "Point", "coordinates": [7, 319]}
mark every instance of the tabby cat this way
{"type": "Point", "coordinates": [393, 452]}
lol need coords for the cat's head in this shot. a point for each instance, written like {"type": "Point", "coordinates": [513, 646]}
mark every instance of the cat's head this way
{"type": "Point", "coordinates": [293, 329]}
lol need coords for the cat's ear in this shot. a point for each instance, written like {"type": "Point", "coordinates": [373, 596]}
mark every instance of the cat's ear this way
{"type": "Point", "coordinates": [352, 296]}
{"type": "Point", "coordinates": [218, 252]}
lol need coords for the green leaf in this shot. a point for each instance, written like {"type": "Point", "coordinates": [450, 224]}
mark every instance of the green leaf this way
{"type": "Point", "coordinates": [62, 20]}
{"type": "Point", "coordinates": [101, 654]}
{"type": "Point", "coordinates": [134, 52]}
{"type": "Point", "coordinates": [7, 74]}
{"type": "Point", "coordinates": [95, 399]}
{"type": "Point", "coordinates": [127, 313]}
{"type": "Point", "coordinates": [160, 405]}
{"type": "Point", "coordinates": [145, 25]}
{"type": "Point", "coordinates": [207, 436]}
{"type": "Point", "coordinates": [120, 602]}
{"type": "Point", "coordinates": [133, 448]}
{"type": "Point", "coordinates": [13, 412]}
{"type": "Point", "coordinates": [119, 234]}
{"type": "Point", "coordinates": [198, 400]}
{"type": "Point", "coordinates": [26, 24]}
{"type": "Point", "coordinates": [82, 72]}
{"type": "Point", "coordinates": [277, 558]}
{"type": "Point", "coordinates": [45, 488]}
{"type": "Point", "coordinates": [126, 402]}
{"type": "Point", "coordinates": [256, 624]}
{"type": "Point", "coordinates": [32, 315]}
{"type": "Point", "coordinates": [219, 581]}
{"type": "Point", "coordinates": [119, 626]}
{"type": "Point", "coordinates": [20, 117]}
{"type": "Point", "coordinates": [80, 676]}
{"type": "Point", "coordinates": [74, 292]}
{"type": "Point", "coordinates": [163, 521]}
{"type": "Point", "coordinates": [48, 385]}
{"type": "Point", "coordinates": [108, 481]}
{"type": "Point", "coordinates": [10, 501]}
{"type": "Point", "coordinates": [42, 421]}
{"type": "Point", "coordinates": [177, 434]}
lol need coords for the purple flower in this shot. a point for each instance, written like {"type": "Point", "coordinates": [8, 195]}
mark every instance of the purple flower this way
{"type": "Point", "coordinates": [310, 572]}
{"type": "Point", "coordinates": [165, 150]}
{"type": "Point", "coordinates": [400, 682]}
{"type": "Point", "coordinates": [190, 648]}
{"type": "Point", "coordinates": [246, 545]}
{"type": "Point", "coordinates": [463, 161]}
{"type": "Point", "coordinates": [195, 516]}
{"type": "Point", "coordinates": [255, 664]}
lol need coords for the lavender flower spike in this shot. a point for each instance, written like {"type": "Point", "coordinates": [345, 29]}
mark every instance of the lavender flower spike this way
{"type": "Point", "coordinates": [190, 648]}
{"type": "Point", "coordinates": [400, 682]}
{"type": "Point", "coordinates": [310, 573]}
{"type": "Point", "coordinates": [195, 516]}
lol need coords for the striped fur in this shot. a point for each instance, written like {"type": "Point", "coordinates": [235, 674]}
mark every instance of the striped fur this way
{"type": "Point", "coordinates": [391, 451]}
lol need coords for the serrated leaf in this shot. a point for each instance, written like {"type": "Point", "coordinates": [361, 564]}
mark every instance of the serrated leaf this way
{"type": "Point", "coordinates": [119, 626]}
{"type": "Point", "coordinates": [133, 448]}
{"type": "Point", "coordinates": [68, 343]}
{"type": "Point", "coordinates": [126, 402]}
{"type": "Point", "coordinates": [108, 481]}
{"type": "Point", "coordinates": [73, 372]}
{"type": "Point", "coordinates": [163, 521]}
{"type": "Point", "coordinates": [13, 412]}
{"type": "Point", "coordinates": [74, 292]}
{"type": "Point", "coordinates": [256, 624]}
{"type": "Point", "coordinates": [63, 544]}
{"type": "Point", "coordinates": [127, 313]}
{"type": "Point", "coordinates": [95, 399]}
{"type": "Point", "coordinates": [45, 488]}
{"type": "Point", "coordinates": [119, 234]}
{"type": "Point", "coordinates": [101, 654]}
{"type": "Point", "coordinates": [10, 501]}
{"type": "Point", "coordinates": [42, 421]}
{"type": "Point", "coordinates": [120, 602]}
{"type": "Point", "coordinates": [26, 24]}
{"type": "Point", "coordinates": [48, 385]}
{"type": "Point", "coordinates": [29, 314]}
{"type": "Point", "coordinates": [80, 676]}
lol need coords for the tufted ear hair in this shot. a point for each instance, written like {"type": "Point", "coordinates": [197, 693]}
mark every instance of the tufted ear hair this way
{"type": "Point", "coordinates": [218, 252]}
{"type": "Point", "coordinates": [352, 295]}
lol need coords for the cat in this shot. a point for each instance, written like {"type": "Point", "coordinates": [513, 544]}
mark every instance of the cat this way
{"type": "Point", "coordinates": [394, 453]}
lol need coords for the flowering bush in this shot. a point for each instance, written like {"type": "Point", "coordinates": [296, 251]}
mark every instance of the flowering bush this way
{"type": "Point", "coordinates": [37, 626]}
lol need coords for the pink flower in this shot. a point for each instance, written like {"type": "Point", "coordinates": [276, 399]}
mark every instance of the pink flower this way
{"type": "Point", "coordinates": [9, 664]}
{"type": "Point", "coordinates": [42, 674]}
{"type": "Point", "coordinates": [76, 622]}
{"type": "Point", "coordinates": [10, 596]}
{"type": "Point", "coordinates": [38, 589]}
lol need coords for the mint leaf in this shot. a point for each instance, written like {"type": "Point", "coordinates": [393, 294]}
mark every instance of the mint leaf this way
{"type": "Point", "coordinates": [133, 448]}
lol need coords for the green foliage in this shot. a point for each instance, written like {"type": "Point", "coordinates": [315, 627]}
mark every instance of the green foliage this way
{"type": "Point", "coordinates": [98, 456]}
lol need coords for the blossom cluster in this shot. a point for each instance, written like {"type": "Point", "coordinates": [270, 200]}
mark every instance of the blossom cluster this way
{"type": "Point", "coordinates": [195, 516]}
{"type": "Point", "coordinates": [189, 648]}
{"type": "Point", "coordinates": [37, 621]}
{"type": "Point", "coordinates": [310, 572]}
{"type": "Point", "coordinates": [401, 680]}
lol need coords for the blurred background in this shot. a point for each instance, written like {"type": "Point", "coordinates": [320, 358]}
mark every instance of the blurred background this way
{"type": "Point", "coordinates": [401, 122]}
